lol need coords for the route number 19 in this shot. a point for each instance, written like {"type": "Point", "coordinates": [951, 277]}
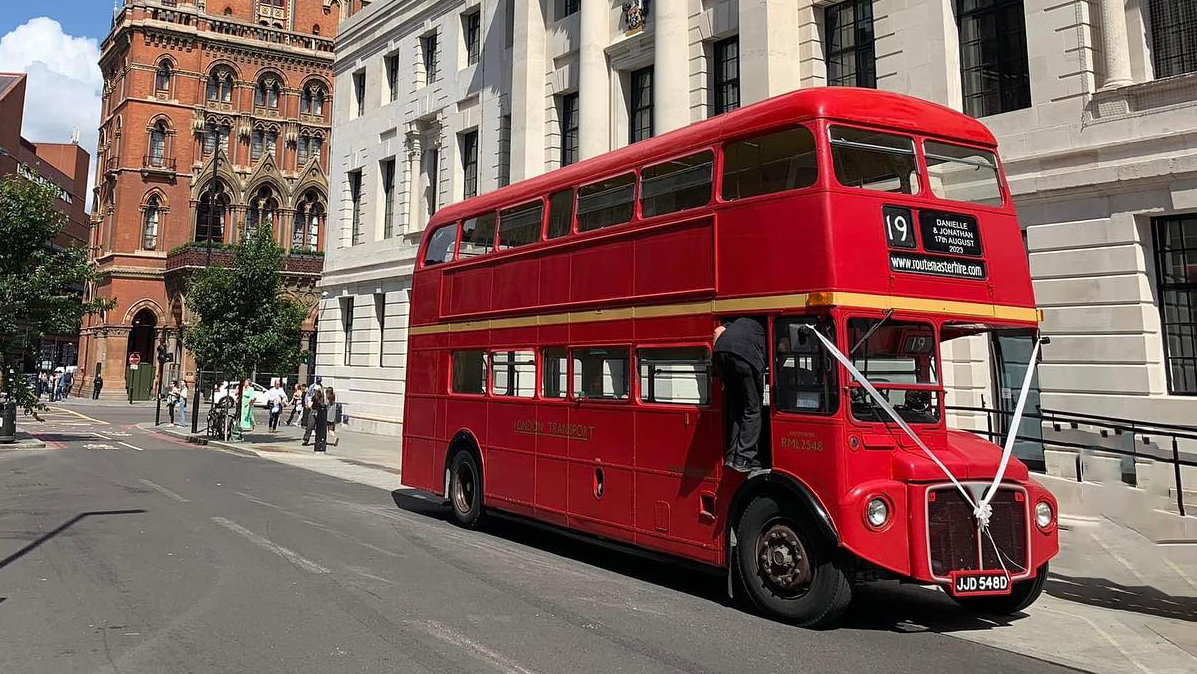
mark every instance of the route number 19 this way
{"type": "Point", "coordinates": [899, 227]}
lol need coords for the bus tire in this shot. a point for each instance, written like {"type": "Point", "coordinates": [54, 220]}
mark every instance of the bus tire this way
{"type": "Point", "coordinates": [787, 572]}
{"type": "Point", "coordinates": [1023, 594]}
{"type": "Point", "coordinates": [465, 489]}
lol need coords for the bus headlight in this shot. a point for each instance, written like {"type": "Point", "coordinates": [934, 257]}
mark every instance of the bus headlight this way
{"type": "Point", "coordinates": [877, 513]}
{"type": "Point", "coordinates": [1043, 514]}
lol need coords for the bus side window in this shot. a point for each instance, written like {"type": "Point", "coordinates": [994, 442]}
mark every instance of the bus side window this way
{"type": "Point", "coordinates": [600, 373]}
{"type": "Point", "coordinates": [773, 162]}
{"type": "Point", "coordinates": [561, 214]}
{"type": "Point", "coordinates": [441, 245]}
{"type": "Point", "coordinates": [513, 373]}
{"type": "Point", "coordinates": [521, 225]}
{"type": "Point", "coordinates": [803, 371]}
{"type": "Point", "coordinates": [469, 372]}
{"type": "Point", "coordinates": [607, 202]}
{"type": "Point", "coordinates": [679, 375]}
{"type": "Point", "coordinates": [676, 185]}
{"type": "Point", "coordinates": [477, 236]}
{"type": "Point", "coordinates": [553, 382]}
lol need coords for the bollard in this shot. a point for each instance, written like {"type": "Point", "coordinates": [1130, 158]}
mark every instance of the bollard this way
{"type": "Point", "coordinates": [8, 423]}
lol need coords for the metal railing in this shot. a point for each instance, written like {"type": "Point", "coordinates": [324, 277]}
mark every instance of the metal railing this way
{"type": "Point", "coordinates": [1143, 439]}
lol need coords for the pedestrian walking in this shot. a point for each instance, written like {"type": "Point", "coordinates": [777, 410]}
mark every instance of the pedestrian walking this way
{"type": "Point", "coordinates": [68, 380]}
{"type": "Point", "coordinates": [97, 383]}
{"type": "Point", "coordinates": [316, 417]}
{"type": "Point", "coordinates": [247, 405]}
{"type": "Point", "coordinates": [184, 396]}
{"type": "Point", "coordinates": [297, 400]}
{"type": "Point", "coordinates": [172, 399]}
{"type": "Point", "coordinates": [330, 414]}
{"type": "Point", "coordinates": [43, 385]}
{"type": "Point", "coordinates": [275, 398]}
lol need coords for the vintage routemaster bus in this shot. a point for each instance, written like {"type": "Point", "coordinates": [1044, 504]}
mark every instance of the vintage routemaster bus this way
{"type": "Point", "coordinates": [561, 331]}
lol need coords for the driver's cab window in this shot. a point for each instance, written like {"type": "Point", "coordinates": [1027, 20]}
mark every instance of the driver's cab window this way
{"type": "Point", "coordinates": [899, 359]}
{"type": "Point", "coordinates": [803, 370]}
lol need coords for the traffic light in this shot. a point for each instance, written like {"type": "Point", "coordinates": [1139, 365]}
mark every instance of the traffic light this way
{"type": "Point", "coordinates": [165, 356]}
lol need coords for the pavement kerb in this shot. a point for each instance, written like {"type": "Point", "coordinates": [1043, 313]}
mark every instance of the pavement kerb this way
{"type": "Point", "coordinates": [245, 450]}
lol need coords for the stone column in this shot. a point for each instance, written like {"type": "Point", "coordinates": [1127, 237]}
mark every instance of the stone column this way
{"type": "Point", "coordinates": [769, 49]}
{"type": "Point", "coordinates": [671, 72]}
{"type": "Point", "coordinates": [1114, 44]}
{"type": "Point", "coordinates": [594, 81]}
{"type": "Point", "coordinates": [528, 91]}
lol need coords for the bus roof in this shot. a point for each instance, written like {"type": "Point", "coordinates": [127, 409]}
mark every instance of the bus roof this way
{"type": "Point", "coordinates": [868, 107]}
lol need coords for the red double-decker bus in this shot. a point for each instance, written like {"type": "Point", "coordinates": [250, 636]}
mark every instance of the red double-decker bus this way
{"type": "Point", "coordinates": [561, 332]}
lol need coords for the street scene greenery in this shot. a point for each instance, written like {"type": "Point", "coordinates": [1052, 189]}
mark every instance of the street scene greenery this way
{"type": "Point", "coordinates": [41, 284]}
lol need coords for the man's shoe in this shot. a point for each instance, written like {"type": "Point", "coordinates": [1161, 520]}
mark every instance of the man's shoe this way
{"type": "Point", "coordinates": [738, 466]}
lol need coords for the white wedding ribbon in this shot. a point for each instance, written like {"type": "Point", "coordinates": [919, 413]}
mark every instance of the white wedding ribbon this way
{"type": "Point", "coordinates": [983, 510]}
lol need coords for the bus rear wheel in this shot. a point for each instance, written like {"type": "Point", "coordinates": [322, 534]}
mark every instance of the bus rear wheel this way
{"type": "Point", "coordinates": [1023, 594]}
{"type": "Point", "coordinates": [465, 489]}
{"type": "Point", "coordinates": [788, 573]}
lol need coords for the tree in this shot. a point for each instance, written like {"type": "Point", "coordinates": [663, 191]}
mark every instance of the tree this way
{"type": "Point", "coordinates": [241, 320]}
{"type": "Point", "coordinates": [41, 285]}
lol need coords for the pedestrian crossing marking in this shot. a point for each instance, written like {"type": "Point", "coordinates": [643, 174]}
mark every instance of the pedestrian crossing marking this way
{"type": "Point", "coordinates": [78, 415]}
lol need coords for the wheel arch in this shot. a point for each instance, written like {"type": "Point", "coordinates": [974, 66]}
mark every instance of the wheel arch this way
{"type": "Point", "coordinates": [463, 439]}
{"type": "Point", "coordinates": [787, 487]}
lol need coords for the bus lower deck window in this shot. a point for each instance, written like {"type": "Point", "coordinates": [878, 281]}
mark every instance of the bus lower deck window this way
{"type": "Point", "coordinates": [607, 202]}
{"type": "Point", "coordinates": [513, 373]}
{"type": "Point", "coordinates": [553, 382]}
{"type": "Point", "coordinates": [600, 373]}
{"type": "Point", "coordinates": [873, 160]}
{"type": "Point", "coordinates": [469, 372]}
{"type": "Point", "coordinates": [772, 162]}
{"type": "Point", "coordinates": [895, 352]}
{"type": "Point", "coordinates": [676, 185]}
{"type": "Point", "coordinates": [803, 370]}
{"type": "Point", "coordinates": [679, 375]}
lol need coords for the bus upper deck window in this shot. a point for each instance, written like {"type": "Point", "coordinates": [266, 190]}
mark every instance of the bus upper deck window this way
{"type": "Point", "coordinates": [520, 225]}
{"type": "Point", "coordinates": [773, 162]}
{"type": "Point", "coordinates": [676, 185]}
{"type": "Point", "coordinates": [873, 160]}
{"type": "Point", "coordinates": [561, 214]}
{"type": "Point", "coordinates": [477, 236]}
{"type": "Point", "coordinates": [962, 173]}
{"type": "Point", "coordinates": [440, 245]}
{"type": "Point", "coordinates": [607, 202]}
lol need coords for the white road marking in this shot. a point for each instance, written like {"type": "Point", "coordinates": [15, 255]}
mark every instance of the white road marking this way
{"type": "Point", "coordinates": [164, 490]}
{"type": "Point", "coordinates": [453, 637]}
{"type": "Point", "coordinates": [1180, 572]}
{"type": "Point", "coordinates": [129, 446]}
{"type": "Point", "coordinates": [286, 553]}
{"type": "Point", "coordinates": [93, 445]}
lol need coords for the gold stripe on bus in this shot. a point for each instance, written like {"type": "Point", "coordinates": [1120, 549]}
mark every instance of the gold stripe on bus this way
{"type": "Point", "coordinates": [742, 304]}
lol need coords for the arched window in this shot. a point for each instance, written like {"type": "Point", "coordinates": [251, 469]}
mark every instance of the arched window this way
{"type": "Point", "coordinates": [311, 101]}
{"type": "Point", "coordinates": [157, 156]}
{"type": "Point", "coordinates": [309, 215]}
{"type": "Point", "coordinates": [267, 92]}
{"type": "Point", "coordinates": [263, 207]}
{"type": "Point", "coordinates": [149, 229]}
{"type": "Point", "coordinates": [162, 77]}
{"type": "Point", "coordinates": [210, 214]}
{"type": "Point", "coordinates": [308, 149]}
{"type": "Point", "coordinates": [315, 29]}
{"type": "Point", "coordinates": [214, 130]}
{"type": "Point", "coordinates": [263, 142]}
{"type": "Point", "coordinates": [228, 11]}
{"type": "Point", "coordinates": [220, 85]}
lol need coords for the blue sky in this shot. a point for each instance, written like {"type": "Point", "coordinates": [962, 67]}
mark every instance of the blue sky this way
{"type": "Point", "coordinates": [85, 18]}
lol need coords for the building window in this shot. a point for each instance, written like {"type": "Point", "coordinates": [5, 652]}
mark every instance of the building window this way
{"type": "Point", "coordinates": [153, 212]}
{"type": "Point", "coordinates": [157, 156]}
{"type": "Point", "coordinates": [209, 214]}
{"type": "Point", "coordinates": [214, 133]}
{"type": "Point", "coordinates": [309, 214]}
{"type": "Point", "coordinates": [430, 161]}
{"type": "Point", "coordinates": [850, 57]}
{"type": "Point", "coordinates": [266, 94]}
{"type": "Point", "coordinates": [640, 109]}
{"type": "Point", "coordinates": [504, 150]}
{"type": "Point", "coordinates": [263, 206]}
{"type": "Point", "coordinates": [264, 143]}
{"type": "Point", "coordinates": [393, 76]}
{"type": "Point", "coordinates": [726, 76]}
{"type": "Point", "coordinates": [567, 7]}
{"type": "Point", "coordinates": [472, 30]}
{"type": "Point", "coordinates": [347, 326]}
{"type": "Point", "coordinates": [355, 197]}
{"type": "Point", "coordinates": [308, 149]}
{"type": "Point", "coordinates": [1173, 37]}
{"type": "Point", "coordinates": [311, 101]}
{"type": "Point", "coordinates": [220, 86]}
{"type": "Point", "coordinates": [359, 92]}
{"type": "Point", "coordinates": [993, 56]}
{"type": "Point", "coordinates": [469, 164]}
{"type": "Point", "coordinates": [1176, 265]}
{"type": "Point", "coordinates": [162, 77]}
{"type": "Point", "coordinates": [428, 48]}
{"type": "Point", "coordinates": [388, 195]}
{"type": "Point", "coordinates": [569, 129]}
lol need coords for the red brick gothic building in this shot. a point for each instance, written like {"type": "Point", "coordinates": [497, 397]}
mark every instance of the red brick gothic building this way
{"type": "Point", "coordinates": [181, 79]}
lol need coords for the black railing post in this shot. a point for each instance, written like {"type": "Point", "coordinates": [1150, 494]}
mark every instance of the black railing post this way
{"type": "Point", "coordinates": [1180, 492]}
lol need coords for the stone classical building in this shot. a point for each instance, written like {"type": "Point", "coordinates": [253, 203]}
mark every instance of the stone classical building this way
{"type": "Point", "coordinates": [1094, 103]}
{"type": "Point", "coordinates": [215, 122]}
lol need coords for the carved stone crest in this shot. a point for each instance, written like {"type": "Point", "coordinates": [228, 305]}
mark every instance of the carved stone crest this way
{"type": "Point", "coordinates": [635, 15]}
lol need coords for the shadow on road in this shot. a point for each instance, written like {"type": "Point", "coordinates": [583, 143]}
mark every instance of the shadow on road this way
{"type": "Point", "coordinates": [61, 528]}
{"type": "Point", "coordinates": [1105, 593]}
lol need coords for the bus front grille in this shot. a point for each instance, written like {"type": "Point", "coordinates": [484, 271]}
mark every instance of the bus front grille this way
{"type": "Point", "coordinates": [956, 544]}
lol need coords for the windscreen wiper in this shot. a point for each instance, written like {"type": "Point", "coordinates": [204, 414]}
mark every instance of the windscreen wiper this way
{"type": "Point", "coordinates": [870, 332]}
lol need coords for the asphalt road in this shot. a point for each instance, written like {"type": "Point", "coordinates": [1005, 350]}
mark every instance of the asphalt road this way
{"type": "Point", "coordinates": [141, 554]}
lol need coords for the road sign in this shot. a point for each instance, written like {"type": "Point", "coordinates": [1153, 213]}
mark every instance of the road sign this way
{"type": "Point", "coordinates": [135, 359]}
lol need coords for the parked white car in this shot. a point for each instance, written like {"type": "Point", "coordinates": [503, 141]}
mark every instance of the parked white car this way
{"type": "Point", "coordinates": [223, 392]}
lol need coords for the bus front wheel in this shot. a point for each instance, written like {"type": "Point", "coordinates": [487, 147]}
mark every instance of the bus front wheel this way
{"type": "Point", "coordinates": [465, 489]}
{"type": "Point", "coordinates": [787, 572]}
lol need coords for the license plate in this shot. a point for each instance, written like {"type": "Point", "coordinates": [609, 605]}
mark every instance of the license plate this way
{"type": "Point", "coordinates": [978, 583]}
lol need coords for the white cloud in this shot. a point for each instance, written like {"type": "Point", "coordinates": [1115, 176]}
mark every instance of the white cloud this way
{"type": "Point", "coordinates": [62, 92]}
